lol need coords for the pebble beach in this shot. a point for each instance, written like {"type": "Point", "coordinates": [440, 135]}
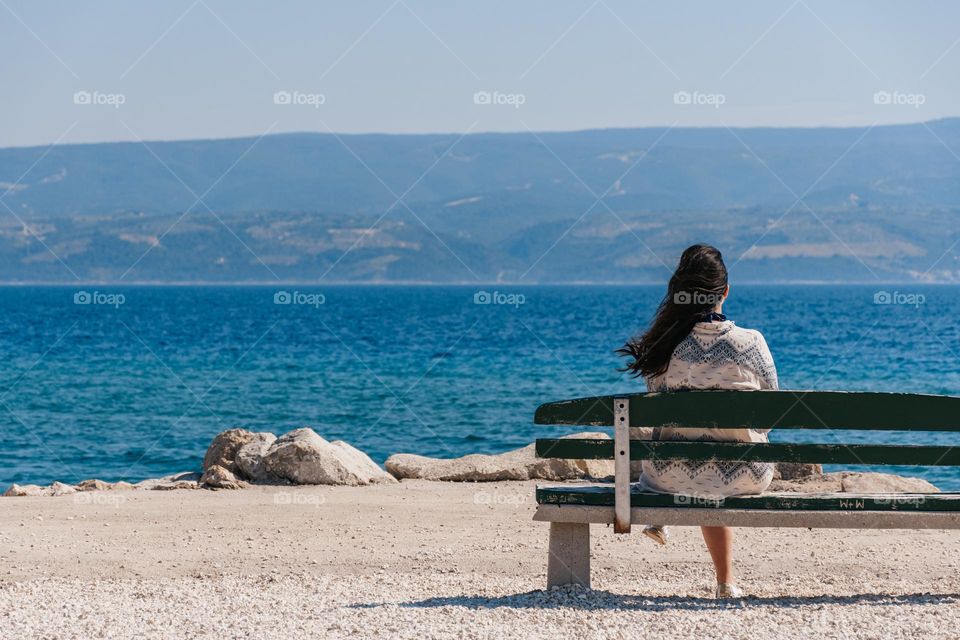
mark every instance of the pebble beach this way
{"type": "Point", "coordinates": [421, 559]}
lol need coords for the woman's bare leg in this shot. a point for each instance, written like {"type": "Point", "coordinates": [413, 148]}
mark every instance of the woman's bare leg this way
{"type": "Point", "coordinates": [720, 544]}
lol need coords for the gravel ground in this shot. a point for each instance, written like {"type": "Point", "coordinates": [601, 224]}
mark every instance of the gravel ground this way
{"type": "Point", "coordinates": [443, 606]}
{"type": "Point", "coordinates": [436, 560]}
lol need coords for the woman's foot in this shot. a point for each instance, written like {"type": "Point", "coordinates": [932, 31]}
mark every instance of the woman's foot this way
{"type": "Point", "coordinates": [657, 533]}
{"type": "Point", "coordinates": [727, 590]}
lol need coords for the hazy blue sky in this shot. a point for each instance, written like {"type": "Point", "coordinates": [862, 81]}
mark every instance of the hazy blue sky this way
{"type": "Point", "coordinates": [210, 68]}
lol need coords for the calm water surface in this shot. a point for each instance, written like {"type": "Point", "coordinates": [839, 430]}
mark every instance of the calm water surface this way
{"type": "Point", "coordinates": [138, 389]}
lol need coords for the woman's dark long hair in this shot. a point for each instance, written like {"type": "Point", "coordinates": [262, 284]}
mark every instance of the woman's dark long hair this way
{"type": "Point", "coordinates": [696, 287]}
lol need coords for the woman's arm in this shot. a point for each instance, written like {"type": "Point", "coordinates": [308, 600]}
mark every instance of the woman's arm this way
{"type": "Point", "coordinates": [768, 370]}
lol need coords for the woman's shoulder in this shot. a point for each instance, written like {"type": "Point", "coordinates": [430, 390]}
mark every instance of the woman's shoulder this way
{"type": "Point", "coordinates": [752, 349]}
{"type": "Point", "coordinates": [727, 331]}
{"type": "Point", "coordinates": [749, 335]}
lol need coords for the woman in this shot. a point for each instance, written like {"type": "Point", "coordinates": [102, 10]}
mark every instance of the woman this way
{"type": "Point", "coordinates": [691, 345]}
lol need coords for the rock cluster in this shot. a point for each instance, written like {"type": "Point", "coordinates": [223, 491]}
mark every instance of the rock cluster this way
{"type": "Point", "coordinates": [854, 482]}
{"type": "Point", "coordinates": [236, 457]}
{"type": "Point", "coordinates": [186, 480]}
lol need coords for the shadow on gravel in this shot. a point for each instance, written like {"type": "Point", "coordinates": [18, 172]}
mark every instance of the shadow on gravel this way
{"type": "Point", "coordinates": [577, 598]}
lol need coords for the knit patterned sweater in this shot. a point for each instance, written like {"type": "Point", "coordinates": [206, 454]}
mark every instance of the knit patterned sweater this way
{"type": "Point", "coordinates": [715, 355]}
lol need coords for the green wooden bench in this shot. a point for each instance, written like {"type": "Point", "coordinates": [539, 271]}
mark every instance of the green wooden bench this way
{"type": "Point", "coordinates": [570, 509]}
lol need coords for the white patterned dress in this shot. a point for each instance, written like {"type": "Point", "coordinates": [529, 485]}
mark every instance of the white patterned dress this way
{"type": "Point", "coordinates": [716, 355]}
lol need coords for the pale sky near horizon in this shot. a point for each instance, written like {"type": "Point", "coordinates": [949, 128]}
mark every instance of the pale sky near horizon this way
{"type": "Point", "coordinates": [186, 69]}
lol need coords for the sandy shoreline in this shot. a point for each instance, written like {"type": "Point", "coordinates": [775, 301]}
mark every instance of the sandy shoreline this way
{"type": "Point", "coordinates": [428, 559]}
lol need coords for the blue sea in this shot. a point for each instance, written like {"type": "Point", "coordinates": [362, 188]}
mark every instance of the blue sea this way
{"type": "Point", "coordinates": [129, 383]}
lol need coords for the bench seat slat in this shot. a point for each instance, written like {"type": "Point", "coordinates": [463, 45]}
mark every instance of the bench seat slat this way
{"type": "Point", "coordinates": [868, 454]}
{"type": "Point", "coordinates": [602, 496]}
{"type": "Point", "coordinates": [765, 409]}
{"type": "Point", "coordinates": [755, 517]}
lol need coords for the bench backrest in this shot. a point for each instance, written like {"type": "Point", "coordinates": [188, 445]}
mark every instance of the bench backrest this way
{"type": "Point", "coordinates": [765, 410]}
{"type": "Point", "coordinates": [751, 409]}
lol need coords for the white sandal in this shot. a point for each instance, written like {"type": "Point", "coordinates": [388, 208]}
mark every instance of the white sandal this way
{"type": "Point", "coordinates": [658, 534]}
{"type": "Point", "coordinates": [727, 590]}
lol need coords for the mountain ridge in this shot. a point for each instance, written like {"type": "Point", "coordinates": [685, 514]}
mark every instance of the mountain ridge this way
{"type": "Point", "coordinates": [604, 205]}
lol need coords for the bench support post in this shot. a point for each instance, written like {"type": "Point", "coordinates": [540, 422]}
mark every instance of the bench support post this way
{"type": "Point", "coordinates": [621, 465]}
{"type": "Point", "coordinates": [568, 561]}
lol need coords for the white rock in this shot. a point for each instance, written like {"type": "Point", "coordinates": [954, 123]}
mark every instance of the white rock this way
{"type": "Point", "coordinates": [100, 485]}
{"type": "Point", "coordinates": [797, 471]}
{"type": "Point", "coordinates": [823, 483]}
{"type": "Point", "coordinates": [55, 489]}
{"type": "Point", "coordinates": [93, 485]}
{"type": "Point", "coordinates": [872, 482]}
{"type": "Point", "coordinates": [185, 480]}
{"type": "Point", "coordinates": [216, 477]}
{"type": "Point", "coordinates": [303, 457]}
{"type": "Point", "coordinates": [854, 482]}
{"type": "Point", "coordinates": [19, 490]}
{"type": "Point", "coordinates": [60, 489]}
{"type": "Point", "coordinates": [249, 459]}
{"type": "Point", "coordinates": [223, 448]}
{"type": "Point", "coordinates": [356, 459]}
{"type": "Point", "coordinates": [519, 464]}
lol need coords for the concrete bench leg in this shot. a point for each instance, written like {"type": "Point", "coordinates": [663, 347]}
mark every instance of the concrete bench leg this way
{"type": "Point", "coordinates": [569, 557]}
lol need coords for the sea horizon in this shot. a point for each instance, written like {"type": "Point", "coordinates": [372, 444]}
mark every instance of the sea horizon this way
{"type": "Point", "coordinates": [464, 283]}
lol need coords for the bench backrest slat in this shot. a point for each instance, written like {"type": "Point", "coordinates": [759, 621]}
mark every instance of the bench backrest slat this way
{"type": "Point", "coordinates": [764, 410]}
{"type": "Point", "coordinates": [866, 454]}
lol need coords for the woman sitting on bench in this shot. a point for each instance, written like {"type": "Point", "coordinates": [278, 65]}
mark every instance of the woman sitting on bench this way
{"type": "Point", "coordinates": [691, 345]}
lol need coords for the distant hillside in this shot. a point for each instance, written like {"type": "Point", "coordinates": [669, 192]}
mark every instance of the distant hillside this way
{"type": "Point", "coordinates": [490, 208]}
